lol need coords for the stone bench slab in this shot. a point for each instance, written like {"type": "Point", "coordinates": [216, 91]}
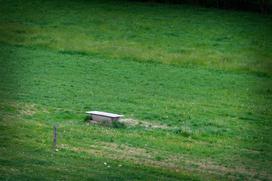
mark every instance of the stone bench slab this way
{"type": "Point", "coordinates": [103, 116]}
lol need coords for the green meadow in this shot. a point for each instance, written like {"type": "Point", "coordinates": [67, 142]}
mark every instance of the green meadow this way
{"type": "Point", "coordinates": [194, 85]}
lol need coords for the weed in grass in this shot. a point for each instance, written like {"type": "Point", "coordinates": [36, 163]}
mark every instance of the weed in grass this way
{"type": "Point", "coordinates": [183, 132]}
{"type": "Point", "coordinates": [158, 158]}
{"type": "Point", "coordinates": [87, 119]}
{"type": "Point", "coordinates": [117, 124]}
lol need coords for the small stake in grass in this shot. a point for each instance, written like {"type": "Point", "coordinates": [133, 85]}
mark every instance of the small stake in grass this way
{"type": "Point", "coordinates": [55, 137]}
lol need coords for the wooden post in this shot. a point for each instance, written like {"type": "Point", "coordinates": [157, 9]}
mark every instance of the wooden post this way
{"type": "Point", "coordinates": [55, 137]}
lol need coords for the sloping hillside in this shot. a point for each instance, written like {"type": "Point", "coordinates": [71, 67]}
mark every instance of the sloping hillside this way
{"type": "Point", "coordinates": [194, 85]}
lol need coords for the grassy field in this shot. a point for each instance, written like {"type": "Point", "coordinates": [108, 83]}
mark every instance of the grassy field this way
{"type": "Point", "coordinates": [194, 84]}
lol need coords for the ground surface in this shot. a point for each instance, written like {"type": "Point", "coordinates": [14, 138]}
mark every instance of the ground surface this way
{"type": "Point", "coordinates": [194, 85]}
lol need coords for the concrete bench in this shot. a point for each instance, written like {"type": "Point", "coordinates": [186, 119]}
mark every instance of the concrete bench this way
{"type": "Point", "coordinates": [103, 116]}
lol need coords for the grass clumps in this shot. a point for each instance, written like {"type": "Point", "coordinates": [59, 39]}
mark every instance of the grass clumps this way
{"type": "Point", "coordinates": [87, 118]}
{"type": "Point", "coordinates": [105, 123]}
{"type": "Point", "coordinates": [117, 124]}
{"type": "Point", "coordinates": [183, 132]}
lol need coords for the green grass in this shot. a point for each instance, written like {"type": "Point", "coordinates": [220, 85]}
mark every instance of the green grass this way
{"type": "Point", "coordinates": [158, 33]}
{"type": "Point", "coordinates": [203, 75]}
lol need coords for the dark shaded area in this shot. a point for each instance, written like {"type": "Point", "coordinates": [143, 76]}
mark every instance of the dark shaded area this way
{"type": "Point", "coordinates": [263, 6]}
{"type": "Point", "coordinates": [8, 72]}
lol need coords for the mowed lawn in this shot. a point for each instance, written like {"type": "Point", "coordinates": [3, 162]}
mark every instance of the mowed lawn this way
{"type": "Point", "coordinates": [194, 84]}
